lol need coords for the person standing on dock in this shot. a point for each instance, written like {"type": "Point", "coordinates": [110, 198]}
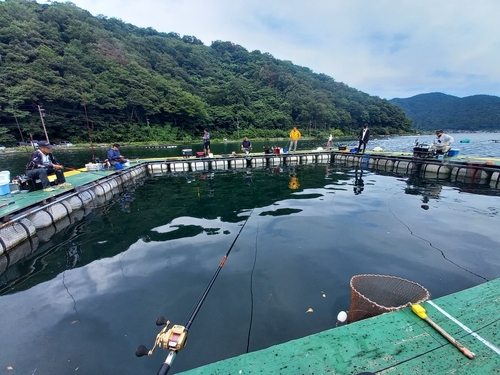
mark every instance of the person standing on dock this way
{"type": "Point", "coordinates": [329, 144]}
{"type": "Point", "coordinates": [294, 137]}
{"type": "Point", "coordinates": [206, 142]}
{"type": "Point", "coordinates": [364, 136]}
{"type": "Point", "coordinates": [442, 142]}
{"type": "Point", "coordinates": [114, 156]}
{"type": "Point", "coordinates": [42, 163]}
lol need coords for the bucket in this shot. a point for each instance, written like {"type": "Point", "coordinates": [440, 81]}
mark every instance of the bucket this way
{"type": "Point", "coordinates": [453, 152]}
{"type": "Point", "coordinates": [4, 177]}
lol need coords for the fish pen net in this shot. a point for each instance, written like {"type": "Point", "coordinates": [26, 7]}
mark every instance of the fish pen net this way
{"type": "Point", "coordinates": [372, 295]}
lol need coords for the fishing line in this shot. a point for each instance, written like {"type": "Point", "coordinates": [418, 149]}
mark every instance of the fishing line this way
{"type": "Point", "coordinates": [211, 283]}
{"type": "Point", "coordinates": [430, 243]}
{"type": "Point", "coordinates": [251, 289]}
{"type": "Point", "coordinates": [174, 339]}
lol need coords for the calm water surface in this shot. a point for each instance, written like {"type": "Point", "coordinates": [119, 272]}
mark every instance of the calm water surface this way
{"type": "Point", "coordinates": [480, 144]}
{"type": "Point", "coordinates": [90, 295]}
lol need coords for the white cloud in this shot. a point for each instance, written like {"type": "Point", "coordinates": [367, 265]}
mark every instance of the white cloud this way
{"type": "Point", "coordinates": [385, 48]}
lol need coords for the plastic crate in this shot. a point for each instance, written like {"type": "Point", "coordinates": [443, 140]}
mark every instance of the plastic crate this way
{"type": "Point", "coordinates": [94, 167]}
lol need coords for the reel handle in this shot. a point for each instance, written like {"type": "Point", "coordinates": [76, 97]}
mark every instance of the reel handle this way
{"type": "Point", "coordinates": [141, 351]}
{"type": "Point", "coordinates": [161, 321]}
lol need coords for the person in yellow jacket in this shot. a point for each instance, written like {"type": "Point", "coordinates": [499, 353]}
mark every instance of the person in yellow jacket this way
{"type": "Point", "coordinates": [294, 137]}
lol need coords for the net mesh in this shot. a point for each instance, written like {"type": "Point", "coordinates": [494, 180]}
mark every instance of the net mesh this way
{"type": "Point", "coordinates": [373, 295]}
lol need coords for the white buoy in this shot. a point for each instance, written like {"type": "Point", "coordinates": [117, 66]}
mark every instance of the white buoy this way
{"type": "Point", "coordinates": [341, 318]}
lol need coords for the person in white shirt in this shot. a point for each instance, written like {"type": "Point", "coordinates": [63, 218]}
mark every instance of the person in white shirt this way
{"type": "Point", "coordinates": [442, 143]}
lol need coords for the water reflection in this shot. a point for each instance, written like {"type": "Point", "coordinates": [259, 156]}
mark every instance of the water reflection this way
{"type": "Point", "coordinates": [359, 184]}
{"type": "Point", "coordinates": [105, 278]}
{"type": "Point", "coordinates": [294, 180]}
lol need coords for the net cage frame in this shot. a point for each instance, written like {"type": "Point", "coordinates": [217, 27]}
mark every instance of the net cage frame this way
{"type": "Point", "coordinates": [381, 290]}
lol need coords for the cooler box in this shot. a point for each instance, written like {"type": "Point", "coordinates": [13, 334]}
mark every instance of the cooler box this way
{"type": "Point", "coordinates": [5, 189]}
{"type": "Point", "coordinates": [187, 152]}
{"type": "Point", "coordinates": [4, 182]}
{"type": "Point", "coordinates": [200, 154]}
{"type": "Point", "coordinates": [4, 177]}
{"type": "Point", "coordinates": [453, 152]}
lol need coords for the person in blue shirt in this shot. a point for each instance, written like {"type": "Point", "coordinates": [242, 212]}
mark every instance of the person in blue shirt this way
{"type": "Point", "coordinates": [114, 156]}
{"type": "Point", "coordinates": [246, 145]}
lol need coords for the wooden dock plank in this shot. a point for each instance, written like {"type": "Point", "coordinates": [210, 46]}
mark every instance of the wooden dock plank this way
{"type": "Point", "coordinates": [392, 343]}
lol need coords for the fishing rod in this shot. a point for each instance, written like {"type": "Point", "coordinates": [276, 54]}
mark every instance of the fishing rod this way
{"type": "Point", "coordinates": [174, 339]}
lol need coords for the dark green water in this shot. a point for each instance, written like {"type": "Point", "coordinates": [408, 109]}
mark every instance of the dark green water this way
{"type": "Point", "coordinates": [91, 295]}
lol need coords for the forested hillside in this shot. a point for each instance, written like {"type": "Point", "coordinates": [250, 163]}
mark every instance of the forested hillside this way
{"type": "Point", "coordinates": [113, 81]}
{"type": "Point", "coordinates": [436, 110]}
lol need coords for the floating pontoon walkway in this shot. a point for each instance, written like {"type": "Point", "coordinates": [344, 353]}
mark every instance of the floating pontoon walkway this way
{"type": "Point", "coordinates": [393, 343]}
{"type": "Point", "coordinates": [459, 168]}
{"type": "Point", "coordinates": [36, 216]}
{"type": "Point", "coordinates": [32, 218]}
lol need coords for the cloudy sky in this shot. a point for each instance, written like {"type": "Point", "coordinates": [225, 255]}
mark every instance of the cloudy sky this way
{"type": "Point", "coordinates": [387, 48]}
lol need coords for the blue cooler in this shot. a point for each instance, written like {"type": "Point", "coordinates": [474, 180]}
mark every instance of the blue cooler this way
{"type": "Point", "coordinates": [5, 189]}
{"type": "Point", "coordinates": [453, 152]}
{"type": "Point", "coordinates": [4, 182]}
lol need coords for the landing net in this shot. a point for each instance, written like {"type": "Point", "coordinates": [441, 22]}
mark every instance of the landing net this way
{"type": "Point", "coordinates": [373, 295]}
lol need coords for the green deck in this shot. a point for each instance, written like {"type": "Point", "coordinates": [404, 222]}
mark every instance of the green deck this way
{"type": "Point", "coordinates": [394, 343]}
{"type": "Point", "coordinates": [24, 200]}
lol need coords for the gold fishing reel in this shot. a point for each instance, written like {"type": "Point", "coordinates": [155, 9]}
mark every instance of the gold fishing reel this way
{"type": "Point", "coordinates": [173, 338]}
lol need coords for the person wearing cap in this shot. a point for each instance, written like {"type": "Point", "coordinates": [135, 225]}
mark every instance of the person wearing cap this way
{"type": "Point", "coordinates": [43, 163]}
{"type": "Point", "coordinates": [442, 143]}
{"type": "Point", "coordinates": [114, 156]}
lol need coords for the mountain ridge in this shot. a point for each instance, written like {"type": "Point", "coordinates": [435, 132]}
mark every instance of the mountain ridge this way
{"type": "Point", "coordinates": [125, 83]}
{"type": "Point", "coordinates": [430, 111]}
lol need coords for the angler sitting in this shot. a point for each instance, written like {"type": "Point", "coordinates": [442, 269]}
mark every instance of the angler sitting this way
{"type": "Point", "coordinates": [442, 143]}
{"type": "Point", "coordinates": [114, 156]}
{"type": "Point", "coordinates": [246, 145]}
{"type": "Point", "coordinates": [42, 163]}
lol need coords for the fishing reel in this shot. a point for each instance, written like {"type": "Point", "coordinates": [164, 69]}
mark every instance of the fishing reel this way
{"type": "Point", "coordinates": [173, 338]}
